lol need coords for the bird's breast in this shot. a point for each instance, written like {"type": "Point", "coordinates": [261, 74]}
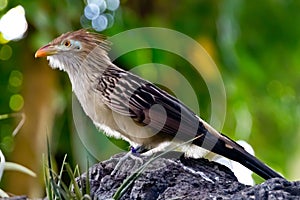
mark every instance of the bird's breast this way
{"type": "Point", "coordinates": [110, 122]}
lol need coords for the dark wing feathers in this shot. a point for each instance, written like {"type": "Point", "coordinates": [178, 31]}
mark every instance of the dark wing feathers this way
{"type": "Point", "coordinates": [132, 96]}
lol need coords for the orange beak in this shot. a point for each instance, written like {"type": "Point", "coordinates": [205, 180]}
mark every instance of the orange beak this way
{"type": "Point", "coordinates": [46, 50]}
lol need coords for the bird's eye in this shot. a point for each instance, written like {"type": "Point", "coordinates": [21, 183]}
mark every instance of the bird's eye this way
{"type": "Point", "coordinates": [67, 43]}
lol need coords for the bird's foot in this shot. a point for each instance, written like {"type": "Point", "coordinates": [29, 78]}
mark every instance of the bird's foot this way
{"type": "Point", "coordinates": [138, 150]}
{"type": "Point", "coordinates": [134, 156]}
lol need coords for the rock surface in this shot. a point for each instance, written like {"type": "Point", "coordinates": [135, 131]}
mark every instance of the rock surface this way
{"type": "Point", "coordinates": [177, 177]}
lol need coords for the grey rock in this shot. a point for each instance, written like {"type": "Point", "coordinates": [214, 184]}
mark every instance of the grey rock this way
{"type": "Point", "coordinates": [177, 177]}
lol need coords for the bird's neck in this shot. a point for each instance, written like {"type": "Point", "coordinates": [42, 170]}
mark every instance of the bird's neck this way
{"type": "Point", "coordinates": [87, 73]}
{"type": "Point", "coordinates": [84, 81]}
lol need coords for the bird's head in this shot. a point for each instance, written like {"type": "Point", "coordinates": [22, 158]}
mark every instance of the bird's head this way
{"type": "Point", "coordinates": [70, 50]}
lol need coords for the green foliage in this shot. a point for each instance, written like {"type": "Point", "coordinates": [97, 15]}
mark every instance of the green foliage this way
{"type": "Point", "coordinates": [57, 188]}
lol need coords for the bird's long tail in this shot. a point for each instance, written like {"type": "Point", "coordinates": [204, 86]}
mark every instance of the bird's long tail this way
{"type": "Point", "coordinates": [243, 157]}
{"type": "Point", "coordinates": [226, 147]}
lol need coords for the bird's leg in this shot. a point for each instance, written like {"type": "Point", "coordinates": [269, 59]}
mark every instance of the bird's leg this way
{"type": "Point", "coordinates": [133, 154]}
{"type": "Point", "coordinates": [138, 150]}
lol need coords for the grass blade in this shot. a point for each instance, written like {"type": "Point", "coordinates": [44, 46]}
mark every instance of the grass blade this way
{"type": "Point", "coordinates": [61, 170]}
{"type": "Point", "coordinates": [51, 172]}
{"type": "Point", "coordinates": [87, 181]}
{"type": "Point", "coordinates": [73, 181]}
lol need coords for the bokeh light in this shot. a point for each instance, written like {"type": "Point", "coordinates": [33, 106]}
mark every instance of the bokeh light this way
{"type": "Point", "coordinates": [97, 2]}
{"type": "Point", "coordinates": [5, 52]}
{"type": "Point", "coordinates": [3, 4]}
{"type": "Point", "coordinates": [99, 13]}
{"type": "Point", "coordinates": [100, 23]}
{"type": "Point", "coordinates": [91, 11]}
{"type": "Point", "coordinates": [7, 144]}
{"type": "Point", "coordinates": [15, 79]}
{"type": "Point", "coordinates": [16, 102]}
{"type": "Point", "coordinates": [110, 19]}
{"type": "Point", "coordinates": [112, 4]}
{"type": "Point", "coordinates": [13, 24]}
{"type": "Point", "coordinates": [102, 7]}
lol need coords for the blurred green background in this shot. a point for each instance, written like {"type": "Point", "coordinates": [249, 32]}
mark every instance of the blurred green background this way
{"type": "Point", "coordinates": [255, 45]}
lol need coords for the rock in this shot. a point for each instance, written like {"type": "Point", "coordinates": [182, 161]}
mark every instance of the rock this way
{"type": "Point", "coordinates": [177, 177]}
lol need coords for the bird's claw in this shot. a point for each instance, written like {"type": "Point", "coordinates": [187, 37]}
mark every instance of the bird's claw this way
{"type": "Point", "coordinates": [132, 154]}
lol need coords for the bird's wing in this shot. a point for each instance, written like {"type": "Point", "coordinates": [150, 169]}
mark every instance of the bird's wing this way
{"type": "Point", "coordinates": [146, 104]}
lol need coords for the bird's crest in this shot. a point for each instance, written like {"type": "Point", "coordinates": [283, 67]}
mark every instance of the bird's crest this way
{"type": "Point", "coordinates": [87, 37]}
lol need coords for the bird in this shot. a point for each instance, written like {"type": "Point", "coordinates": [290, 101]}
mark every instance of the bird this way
{"type": "Point", "coordinates": [126, 106]}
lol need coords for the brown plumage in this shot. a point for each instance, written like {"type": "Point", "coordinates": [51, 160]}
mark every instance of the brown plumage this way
{"type": "Point", "coordinates": [129, 107]}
